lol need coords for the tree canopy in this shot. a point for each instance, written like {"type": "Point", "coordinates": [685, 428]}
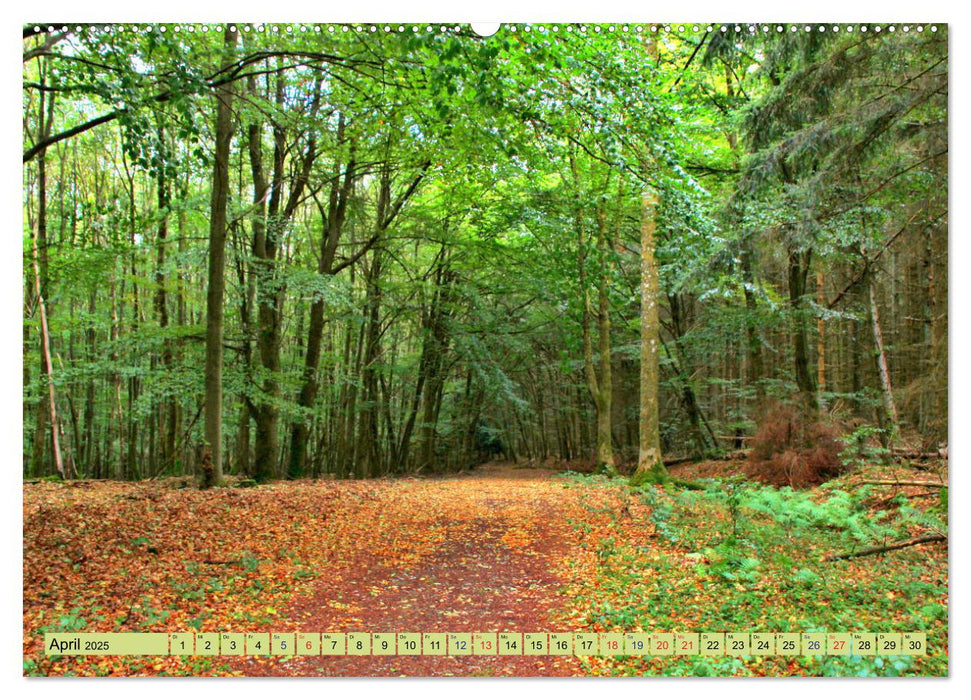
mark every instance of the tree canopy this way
{"type": "Point", "coordinates": [435, 241]}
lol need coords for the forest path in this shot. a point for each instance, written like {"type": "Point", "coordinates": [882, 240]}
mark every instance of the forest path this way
{"type": "Point", "coordinates": [496, 544]}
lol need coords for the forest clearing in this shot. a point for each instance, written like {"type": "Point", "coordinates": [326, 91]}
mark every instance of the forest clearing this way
{"type": "Point", "coordinates": [405, 329]}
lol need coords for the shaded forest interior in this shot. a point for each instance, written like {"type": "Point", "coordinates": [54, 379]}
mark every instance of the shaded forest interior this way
{"type": "Point", "coordinates": [409, 249]}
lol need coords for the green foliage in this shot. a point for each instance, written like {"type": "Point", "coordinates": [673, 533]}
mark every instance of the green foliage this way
{"type": "Point", "coordinates": [647, 477]}
{"type": "Point", "coordinates": [662, 510]}
{"type": "Point", "coordinates": [858, 449]}
{"type": "Point", "coordinates": [71, 622]}
{"type": "Point", "coordinates": [495, 187]}
{"type": "Point", "coordinates": [941, 505]}
{"type": "Point", "coordinates": [741, 556]}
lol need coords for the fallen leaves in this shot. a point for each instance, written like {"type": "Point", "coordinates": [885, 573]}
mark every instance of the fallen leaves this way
{"type": "Point", "coordinates": [483, 553]}
{"type": "Point", "coordinates": [141, 557]}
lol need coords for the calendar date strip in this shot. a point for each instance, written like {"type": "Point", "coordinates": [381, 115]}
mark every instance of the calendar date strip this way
{"type": "Point", "coordinates": [487, 644]}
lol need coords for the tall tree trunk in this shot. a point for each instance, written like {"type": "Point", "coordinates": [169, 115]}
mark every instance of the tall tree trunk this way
{"type": "Point", "coordinates": [435, 342]}
{"type": "Point", "coordinates": [649, 461]}
{"type": "Point", "coordinates": [333, 223]}
{"type": "Point", "coordinates": [756, 365]}
{"type": "Point", "coordinates": [935, 266]}
{"type": "Point", "coordinates": [798, 270]}
{"type": "Point", "coordinates": [115, 463]}
{"type": "Point", "coordinates": [404, 446]}
{"type": "Point", "coordinates": [179, 456]}
{"type": "Point", "coordinates": [821, 337]}
{"type": "Point", "coordinates": [350, 464]}
{"type": "Point", "coordinates": [87, 451]}
{"type": "Point", "coordinates": [600, 387]}
{"type": "Point", "coordinates": [267, 240]}
{"type": "Point", "coordinates": [368, 449]}
{"type": "Point", "coordinates": [131, 468]}
{"type": "Point", "coordinates": [683, 373]}
{"type": "Point", "coordinates": [605, 447]}
{"type": "Point", "coordinates": [213, 467]}
{"type": "Point", "coordinates": [168, 408]}
{"type": "Point", "coordinates": [368, 462]}
{"type": "Point", "coordinates": [45, 408]}
{"type": "Point", "coordinates": [48, 365]}
{"type": "Point", "coordinates": [243, 458]}
{"type": "Point", "coordinates": [27, 406]}
{"type": "Point", "coordinates": [880, 357]}
{"type": "Point", "coordinates": [266, 230]}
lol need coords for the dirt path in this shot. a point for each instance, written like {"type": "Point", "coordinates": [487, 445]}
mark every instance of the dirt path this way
{"type": "Point", "coordinates": [496, 566]}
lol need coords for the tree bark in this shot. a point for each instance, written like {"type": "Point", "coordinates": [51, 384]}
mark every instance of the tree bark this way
{"type": "Point", "coordinates": [333, 223]}
{"type": "Point", "coordinates": [688, 398]}
{"type": "Point", "coordinates": [756, 365]}
{"type": "Point", "coordinates": [168, 407]}
{"type": "Point", "coordinates": [435, 342]}
{"type": "Point", "coordinates": [268, 233]}
{"type": "Point", "coordinates": [90, 466]}
{"type": "Point", "coordinates": [48, 366]}
{"type": "Point", "coordinates": [605, 438]}
{"type": "Point", "coordinates": [798, 270]}
{"type": "Point", "coordinates": [649, 460]}
{"type": "Point", "coordinates": [44, 409]}
{"type": "Point", "coordinates": [368, 449]}
{"type": "Point", "coordinates": [935, 267]}
{"type": "Point", "coordinates": [212, 471]}
{"type": "Point", "coordinates": [821, 336]}
{"type": "Point", "coordinates": [886, 387]}
{"type": "Point", "coordinates": [600, 387]}
{"type": "Point", "coordinates": [131, 464]}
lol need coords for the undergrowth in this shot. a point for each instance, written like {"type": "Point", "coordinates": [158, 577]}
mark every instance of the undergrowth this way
{"type": "Point", "coordinates": [739, 556]}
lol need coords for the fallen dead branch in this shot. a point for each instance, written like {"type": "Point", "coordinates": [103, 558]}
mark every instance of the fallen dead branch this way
{"type": "Point", "coordinates": [222, 562]}
{"type": "Point", "coordinates": [891, 482]}
{"type": "Point", "coordinates": [917, 454]}
{"type": "Point", "coordinates": [886, 548]}
{"type": "Point", "coordinates": [884, 502]}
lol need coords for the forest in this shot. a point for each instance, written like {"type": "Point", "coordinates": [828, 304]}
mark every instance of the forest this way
{"type": "Point", "coordinates": [648, 301]}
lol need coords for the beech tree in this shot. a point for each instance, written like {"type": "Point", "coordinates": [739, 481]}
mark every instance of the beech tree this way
{"type": "Point", "coordinates": [212, 471]}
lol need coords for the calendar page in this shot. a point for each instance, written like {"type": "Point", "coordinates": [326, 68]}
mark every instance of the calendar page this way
{"type": "Point", "coordinates": [552, 349]}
